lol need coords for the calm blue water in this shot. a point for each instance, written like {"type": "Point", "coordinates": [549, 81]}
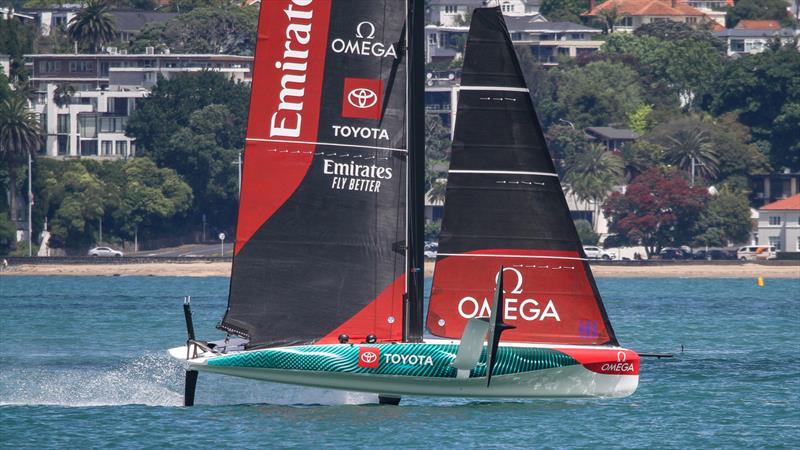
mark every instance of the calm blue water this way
{"type": "Point", "coordinates": [82, 365]}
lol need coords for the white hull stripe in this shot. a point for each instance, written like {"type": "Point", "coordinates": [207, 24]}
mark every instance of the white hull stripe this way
{"type": "Point", "coordinates": [505, 172]}
{"type": "Point", "coordinates": [493, 88]}
{"type": "Point", "coordinates": [334, 144]}
{"type": "Point", "coordinates": [513, 256]}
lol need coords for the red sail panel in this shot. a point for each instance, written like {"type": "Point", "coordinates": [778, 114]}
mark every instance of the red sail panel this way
{"type": "Point", "coordinates": [288, 71]}
{"type": "Point", "coordinates": [548, 296]}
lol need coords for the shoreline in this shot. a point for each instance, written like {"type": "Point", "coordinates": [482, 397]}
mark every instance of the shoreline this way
{"type": "Point", "coordinates": [223, 268]}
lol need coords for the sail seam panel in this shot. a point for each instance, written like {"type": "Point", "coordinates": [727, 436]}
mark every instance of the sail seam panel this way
{"type": "Point", "coordinates": [504, 172]}
{"type": "Point", "coordinates": [334, 144]}
{"type": "Point", "coordinates": [512, 256]}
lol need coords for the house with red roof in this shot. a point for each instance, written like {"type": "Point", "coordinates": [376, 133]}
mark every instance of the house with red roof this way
{"type": "Point", "coordinates": [779, 224]}
{"type": "Point", "coordinates": [634, 13]}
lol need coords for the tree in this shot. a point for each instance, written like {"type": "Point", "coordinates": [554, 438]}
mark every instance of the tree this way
{"type": "Point", "coordinates": [599, 93]}
{"type": "Point", "coordinates": [8, 234]}
{"type": "Point", "coordinates": [564, 142]}
{"type": "Point", "coordinates": [586, 232]}
{"type": "Point", "coordinates": [608, 17]}
{"type": "Point", "coordinates": [690, 149]}
{"type": "Point", "coordinates": [93, 26]}
{"type": "Point", "coordinates": [80, 200]}
{"type": "Point", "coordinates": [437, 138]}
{"type": "Point", "coordinates": [592, 174]}
{"type": "Point", "coordinates": [151, 195]}
{"type": "Point", "coordinates": [764, 90]}
{"type": "Point", "coordinates": [673, 58]}
{"type": "Point", "coordinates": [564, 10]}
{"type": "Point", "coordinates": [640, 156]}
{"type": "Point", "coordinates": [725, 220]}
{"type": "Point", "coordinates": [203, 30]}
{"type": "Point", "coordinates": [758, 9]}
{"type": "Point", "coordinates": [658, 209]}
{"type": "Point", "coordinates": [16, 40]}
{"type": "Point", "coordinates": [19, 137]}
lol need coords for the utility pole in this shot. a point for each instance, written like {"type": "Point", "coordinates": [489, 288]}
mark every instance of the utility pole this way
{"type": "Point", "coordinates": [692, 171]}
{"type": "Point", "coordinates": [30, 206]}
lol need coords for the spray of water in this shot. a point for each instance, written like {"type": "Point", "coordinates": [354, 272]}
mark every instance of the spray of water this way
{"type": "Point", "coordinates": [154, 380]}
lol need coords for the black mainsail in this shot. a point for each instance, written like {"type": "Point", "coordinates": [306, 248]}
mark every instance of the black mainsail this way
{"type": "Point", "coordinates": [321, 225]}
{"type": "Point", "coordinates": [505, 207]}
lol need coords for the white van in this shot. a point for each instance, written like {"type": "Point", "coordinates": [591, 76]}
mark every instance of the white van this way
{"type": "Point", "coordinates": [754, 252]}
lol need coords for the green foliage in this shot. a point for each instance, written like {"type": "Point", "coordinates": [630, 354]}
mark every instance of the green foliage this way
{"type": "Point", "coordinates": [8, 234]}
{"type": "Point", "coordinates": [599, 93]}
{"type": "Point", "coordinates": [203, 30]}
{"type": "Point", "coordinates": [764, 90]}
{"type": "Point", "coordinates": [640, 156]}
{"type": "Point", "coordinates": [432, 230]}
{"type": "Point", "coordinates": [691, 150]}
{"type": "Point", "coordinates": [16, 40]}
{"type": "Point", "coordinates": [80, 200]}
{"type": "Point", "coordinates": [195, 124]}
{"type": "Point", "coordinates": [593, 173]}
{"type": "Point", "coordinates": [564, 142]}
{"type": "Point", "coordinates": [673, 59]}
{"type": "Point", "coordinates": [93, 26]}
{"type": "Point", "coordinates": [437, 138]}
{"type": "Point", "coordinates": [639, 120]}
{"type": "Point", "coordinates": [19, 137]}
{"type": "Point", "coordinates": [725, 220]}
{"type": "Point", "coordinates": [586, 232]}
{"type": "Point", "coordinates": [759, 9]}
{"type": "Point", "coordinates": [564, 10]}
{"type": "Point", "coordinates": [150, 196]}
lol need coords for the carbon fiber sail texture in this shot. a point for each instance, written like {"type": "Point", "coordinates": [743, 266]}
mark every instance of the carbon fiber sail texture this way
{"type": "Point", "coordinates": [505, 207]}
{"type": "Point", "coordinates": [319, 248]}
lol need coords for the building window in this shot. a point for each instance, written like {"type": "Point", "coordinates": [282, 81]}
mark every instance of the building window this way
{"type": "Point", "coordinates": [754, 46]}
{"type": "Point", "coordinates": [626, 21]}
{"type": "Point", "coordinates": [507, 8]}
{"type": "Point", "coordinates": [106, 148]}
{"type": "Point", "coordinates": [450, 9]}
{"type": "Point", "coordinates": [122, 148]}
{"type": "Point", "coordinates": [87, 126]}
{"type": "Point", "coordinates": [81, 66]}
{"type": "Point", "coordinates": [88, 148]}
{"type": "Point", "coordinates": [774, 220]}
{"type": "Point", "coordinates": [63, 145]}
{"type": "Point", "coordinates": [775, 241]}
{"type": "Point", "coordinates": [63, 123]}
{"type": "Point", "coordinates": [432, 38]}
{"type": "Point", "coordinates": [691, 20]}
{"type": "Point", "coordinates": [50, 66]}
{"type": "Point", "coordinates": [737, 45]}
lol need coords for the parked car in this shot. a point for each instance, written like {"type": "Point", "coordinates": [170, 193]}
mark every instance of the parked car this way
{"type": "Point", "coordinates": [104, 251]}
{"type": "Point", "coordinates": [754, 252]}
{"type": "Point", "coordinates": [594, 252]}
{"type": "Point", "coordinates": [670, 253]}
{"type": "Point", "coordinates": [714, 253]}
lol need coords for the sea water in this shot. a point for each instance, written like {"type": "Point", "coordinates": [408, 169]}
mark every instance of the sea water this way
{"type": "Point", "coordinates": [83, 365]}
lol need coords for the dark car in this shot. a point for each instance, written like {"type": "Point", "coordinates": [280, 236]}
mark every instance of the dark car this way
{"type": "Point", "coordinates": [714, 254]}
{"type": "Point", "coordinates": [674, 254]}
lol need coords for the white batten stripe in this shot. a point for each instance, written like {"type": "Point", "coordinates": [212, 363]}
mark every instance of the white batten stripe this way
{"type": "Point", "coordinates": [334, 144]}
{"type": "Point", "coordinates": [514, 256]}
{"type": "Point", "coordinates": [493, 88]}
{"type": "Point", "coordinates": [505, 172]}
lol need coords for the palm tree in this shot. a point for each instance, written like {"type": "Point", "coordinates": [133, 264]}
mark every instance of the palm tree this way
{"type": "Point", "coordinates": [592, 174]}
{"type": "Point", "coordinates": [93, 25]}
{"type": "Point", "coordinates": [691, 150]}
{"type": "Point", "coordinates": [438, 190]}
{"type": "Point", "coordinates": [19, 137]}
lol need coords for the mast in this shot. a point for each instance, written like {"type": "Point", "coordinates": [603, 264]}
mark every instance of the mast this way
{"type": "Point", "coordinates": [415, 274]}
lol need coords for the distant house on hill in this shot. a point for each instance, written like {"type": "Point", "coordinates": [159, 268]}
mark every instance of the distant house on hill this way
{"type": "Point", "coordinates": [753, 36]}
{"type": "Point", "coordinates": [634, 13]}
{"type": "Point", "coordinates": [612, 138]}
{"type": "Point", "coordinates": [779, 224]}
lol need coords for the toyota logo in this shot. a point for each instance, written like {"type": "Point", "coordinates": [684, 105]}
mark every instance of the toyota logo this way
{"type": "Point", "coordinates": [362, 98]}
{"type": "Point", "coordinates": [368, 357]}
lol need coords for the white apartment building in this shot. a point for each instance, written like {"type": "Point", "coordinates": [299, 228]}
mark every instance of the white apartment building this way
{"type": "Point", "coordinates": [99, 92]}
{"type": "Point", "coordinates": [450, 13]}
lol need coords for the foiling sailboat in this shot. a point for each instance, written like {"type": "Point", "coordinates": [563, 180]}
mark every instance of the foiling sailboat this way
{"type": "Point", "coordinates": [326, 287]}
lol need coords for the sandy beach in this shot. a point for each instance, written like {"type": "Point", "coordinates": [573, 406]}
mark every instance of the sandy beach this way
{"type": "Point", "coordinates": [222, 269]}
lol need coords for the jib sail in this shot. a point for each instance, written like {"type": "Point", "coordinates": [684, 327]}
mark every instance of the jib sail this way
{"type": "Point", "coordinates": [505, 206]}
{"type": "Point", "coordinates": [320, 232]}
